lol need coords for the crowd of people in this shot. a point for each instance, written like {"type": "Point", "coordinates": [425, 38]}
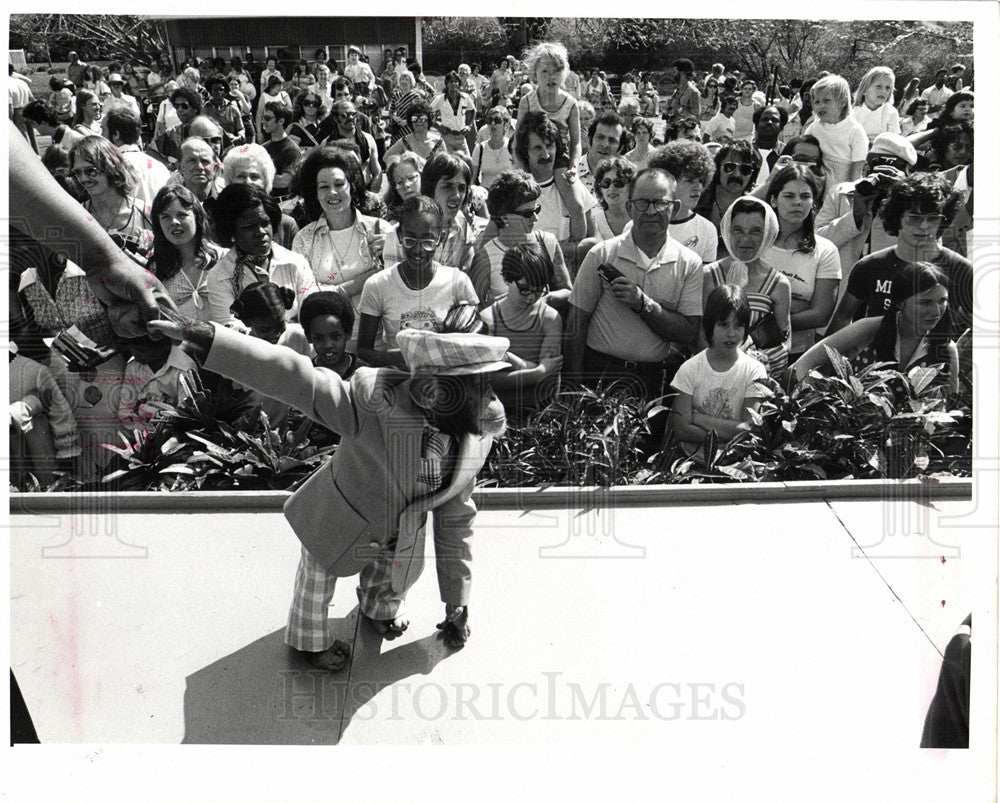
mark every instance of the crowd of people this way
{"type": "Point", "coordinates": [686, 243]}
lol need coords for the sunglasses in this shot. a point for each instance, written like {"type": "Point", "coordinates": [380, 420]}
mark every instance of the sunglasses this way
{"type": "Point", "coordinates": [413, 242]}
{"type": "Point", "coordinates": [528, 213]}
{"type": "Point", "coordinates": [494, 120]}
{"type": "Point", "coordinates": [420, 119]}
{"type": "Point", "coordinates": [310, 103]}
{"type": "Point", "coordinates": [347, 117]}
{"type": "Point", "coordinates": [85, 172]}
{"type": "Point", "coordinates": [730, 167]}
{"type": "Point", "coordinates": [606, 183]}
{"type": "Point", "coordinates": [530, 291]}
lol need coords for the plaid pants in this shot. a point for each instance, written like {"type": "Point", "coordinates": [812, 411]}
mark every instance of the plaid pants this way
{"type": "Point", "coordinates": [308, 628]}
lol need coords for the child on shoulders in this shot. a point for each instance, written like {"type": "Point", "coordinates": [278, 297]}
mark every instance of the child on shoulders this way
{"type": "Point", "coordinates": [547, 64]}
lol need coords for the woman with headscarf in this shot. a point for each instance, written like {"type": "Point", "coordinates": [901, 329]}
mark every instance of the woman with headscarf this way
{"type": "Point", "coordinates": [749, 227]}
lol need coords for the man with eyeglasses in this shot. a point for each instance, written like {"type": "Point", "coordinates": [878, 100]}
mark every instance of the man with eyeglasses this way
{"type": "Point", "coordinates": [345, 119]}
{"type": "Point", "coordinates": [223, 110]}
{"type": "Point", "coordinates": [849, 216]}
{"type": "Point", "coordinates": [918, 209]}
{"type": "Point", "coordinates": [636, 321]}
{"type": "Point", "coordinates": [605, 135]}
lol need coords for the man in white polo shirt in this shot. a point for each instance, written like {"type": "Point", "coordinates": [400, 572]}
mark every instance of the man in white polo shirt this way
{"type": "Point", "coordinates": [641, 323]}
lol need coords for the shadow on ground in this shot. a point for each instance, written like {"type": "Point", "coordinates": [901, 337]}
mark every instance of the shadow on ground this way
{"type": "Point", "coordinates": [266, 694]}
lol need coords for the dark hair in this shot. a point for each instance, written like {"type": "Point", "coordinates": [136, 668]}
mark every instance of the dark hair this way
{"type": "Point", "coordinates": [236, 199]}
{"type": "Point", "coordinates": [106, 158]}
{"type": "Point", "coordinates": [722, 302]}
{"type": "Point", "coordinates": [911, 280]}
{"type": "Point", "coordinates": [609, 118]}
{"type": "Point", "coordinates": [420, 205]}
{"type": "Point", "coordinates": [272, 81]}
{"type": "Point", "coordinates": [123, 122]}
{"type": "Point", "coordinates": [782, 114]}
{"type": "Point", "coordinates": [166, 256]}
{"type": "Point", "coordinates": [625, 168]}
{"type": "Point", "coordinates": [511, 189]}
{"type": "Point", "coordinates": [263, 301]}
{"type": "Point", "coordinates": [539, 124]}
{"type": "Point", "coordinates": [678, 124]}
{"type": "Point", "coordinates": [917, 101]}
{"type": "Point", "coordinates": [444, 165]}
{"type": "Point", "coordinates": [190, 95]}
{"type": "Point", "coordinates": [452, 75]}
{"type": "Point", "coordinates": [745, 206]}
{"type": "Point", "coordinates": [83, 97]}
{"type": "Point", "coordinates": [685, 158]}
{"type": "Point", "coordinates": [326, 302]}
{"type": "Point", "coordinates": [739, 149]}
{"type": "Point", "coordinates": [340, 84]}
{"type": "Point", "coordinates": [946, 135]}
{"type": "Point", "coordinates": [730, 99]}
{"type": "Point", "coordinates": [216, 80]}
{"type": "Point", "coordinates": [41, 111]}
{"type": "Point", "coordinates": [527, 261]}
{"type": "Point", "coordinates": [281, 111]}
{"type": "Point", "coordinates": [799, 172]}
{"type": "Point", "coordinates": [684, 65]}
{"type": "Point", "coordinates": [642, 122]}
{"type": "Point", "coordinates": [300, 98]}
{"type": "Point", "coordinates": [923, 193]}
{"type": "Point", "coordinates": [419, 108]}
{"type": "Point", "coordinates": [320, 158]}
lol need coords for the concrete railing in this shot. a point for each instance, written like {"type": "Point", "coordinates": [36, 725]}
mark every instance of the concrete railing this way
{"type": "Point", "coordinates": [918, 490]}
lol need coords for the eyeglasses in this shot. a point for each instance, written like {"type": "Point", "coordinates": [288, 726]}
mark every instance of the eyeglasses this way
{"type": "Point", "coordinates": [745, 169]}
{"type": "Point", "coordinates": [531, 291]}
{"type": "Point", "coordinates": [421, 118]}
{"type": "Point", "coordinates": [914, 219]}
{"type": "Point", "coordinates": [427, 245]}
{"type": "Point", "coordinates": [528, 213]}
{"type": "Point", "coordinates": [85, 172]}
{"type": "Point", "coordinates": [643, 205]}
{"type": "Point", "coordinates": [606, 183]}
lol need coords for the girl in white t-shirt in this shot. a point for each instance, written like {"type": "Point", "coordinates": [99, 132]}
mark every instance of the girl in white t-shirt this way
{"type": "Point", "coordinates": [717, 388]}
{"type": "Point", "coordinates": [873, 106]}
{"type": "Point", "coordinates": [415, 294]}
{"type": "Point", "coordinates": [811, 263]}
{"type": "Point", "coordinates": [841, 138]}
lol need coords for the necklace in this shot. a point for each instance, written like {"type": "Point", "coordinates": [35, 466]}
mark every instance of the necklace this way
{"type": "Point", "coordinates": [340, 257]}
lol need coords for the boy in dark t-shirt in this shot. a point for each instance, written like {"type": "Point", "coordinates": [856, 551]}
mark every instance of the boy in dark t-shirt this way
{"type": "Point", "coordinates": [918, 209]}
{"type": "Point", "coordinates": [282, 149]}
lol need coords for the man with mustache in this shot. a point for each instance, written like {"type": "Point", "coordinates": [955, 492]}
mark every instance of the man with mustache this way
{"type": "Point", "coordinates": [735, 166]}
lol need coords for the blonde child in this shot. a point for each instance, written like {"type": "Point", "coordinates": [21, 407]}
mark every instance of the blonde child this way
{"type": "Point", "coordinates": [842, 139]}
{"type": "Point", "coordinates": [547, 64]}
{"type": "Point", "coordinates": [873, 106]}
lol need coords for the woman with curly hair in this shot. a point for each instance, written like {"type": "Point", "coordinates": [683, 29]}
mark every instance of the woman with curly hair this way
{"type": "Point", "coordinates": [811, 263]}
{"type": "Point", "coordinates": [110, 184]}
{"type": "Point", "coordinates": [313, 125]}
{"type": "Point", "coordinates": [343, 246]}
{"type": "Point", "coordinates": [611, 181]}
{"type": "Point", "coordinates": [423, 140]}
{"type": "Point", "coordinates": [182, 253]}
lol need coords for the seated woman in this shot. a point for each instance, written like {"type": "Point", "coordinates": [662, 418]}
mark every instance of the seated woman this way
{"type": "Point", "coordinates": [245, 216]}
{"type": "Point", "coordinates": [182, 253]}
{"type": "Point", "coordinates": [423, 140]}
{"type": "Point", "coordinates": [447, 178]}
{"type": "Point", "coordinates": [513, 207]}
{"type": "Point", "coordinates": [717, 388]}
{"type": "Point", "coordinates": [343, 246]}
{"type": "Point", "coordinates": [915, 331]}
{"type": "Point", "coordinates": [251, 164]}
{"type": "Point", "coordinates": [533, 328]}
{"type": "Point", "coordinates": [403, 178]}
{"type": "Point", "coordinates": [110, 184]}
{"type": "Point", "coordinates": [749, 228]}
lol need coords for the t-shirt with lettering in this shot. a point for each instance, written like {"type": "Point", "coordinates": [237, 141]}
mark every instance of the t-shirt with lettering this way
{"type": "Point", "coordinates": [698, 234]}
{"type": "Point", "coordinates": [386, 296]}
{"type": "Point", "coordinates": [871, 283]}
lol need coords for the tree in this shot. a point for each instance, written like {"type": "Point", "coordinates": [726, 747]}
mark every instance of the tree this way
{"type": "Point", "coordinates": [138, 40]}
